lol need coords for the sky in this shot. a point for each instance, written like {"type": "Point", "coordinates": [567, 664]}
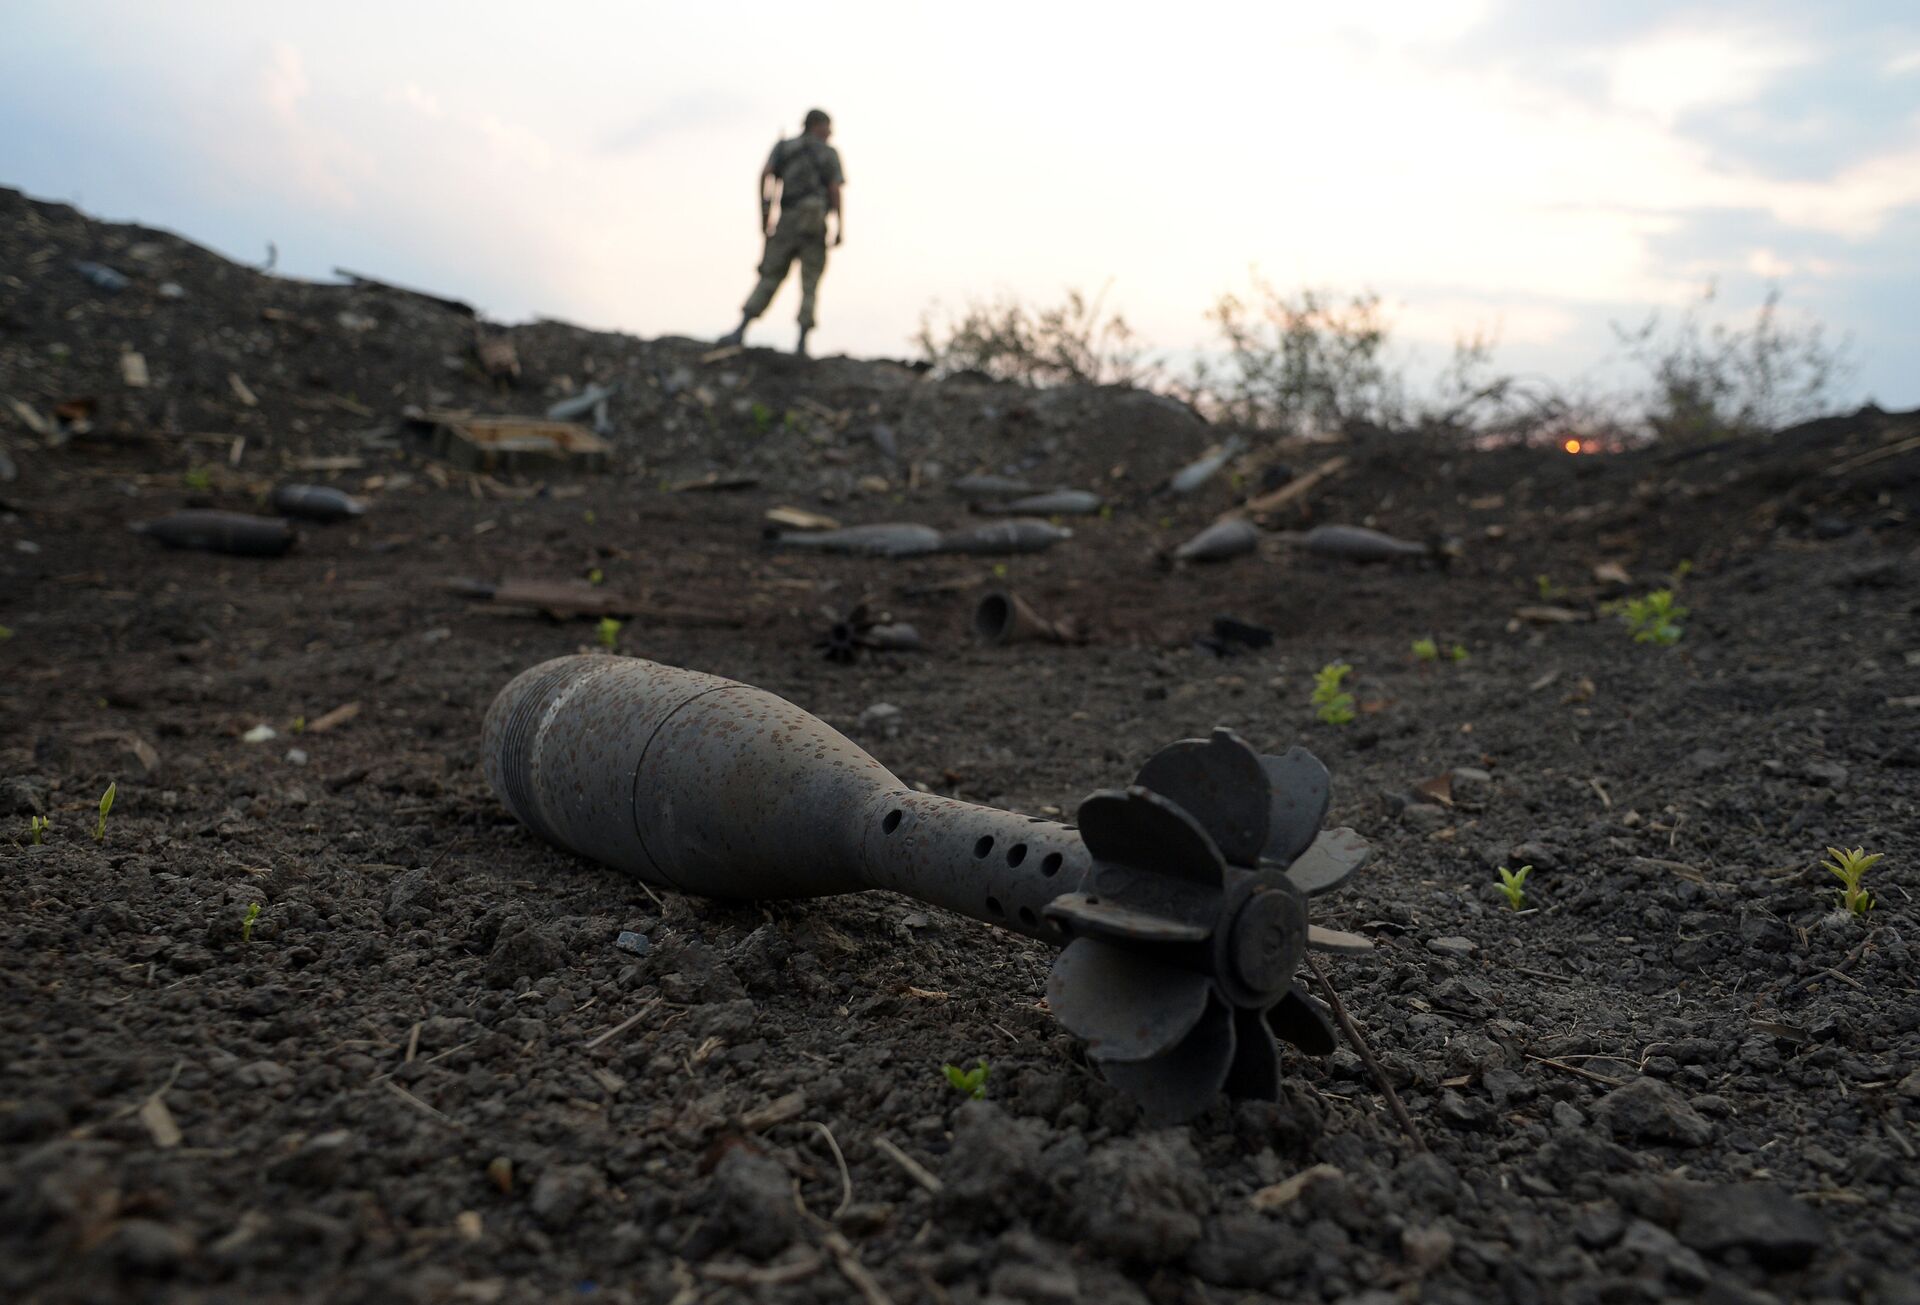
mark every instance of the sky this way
{"type": "Point", "coordinates": [1530, 170]}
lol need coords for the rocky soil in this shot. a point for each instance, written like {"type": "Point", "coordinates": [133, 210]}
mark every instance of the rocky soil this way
{"type": "Point", "coordinates": [314, 1020]}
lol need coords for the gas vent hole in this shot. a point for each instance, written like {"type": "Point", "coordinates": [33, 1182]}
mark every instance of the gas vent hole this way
{"type": "Point", "coordinates": [1050, 864]}
{"type": "Point", "coordinates": [1016, 854]}
{"type": "Point", "coordinates": [1028, 918]}
{"type": "Point", "coordinates": [892, 821]}
{"type": "Point", "coordinates": [994, 908]}
{"type": "Point", "coordinates": [984, 846]}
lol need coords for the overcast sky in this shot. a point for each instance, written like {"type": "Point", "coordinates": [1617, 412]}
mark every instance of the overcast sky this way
{"type": "Point", "coordinates": [1536, 170]}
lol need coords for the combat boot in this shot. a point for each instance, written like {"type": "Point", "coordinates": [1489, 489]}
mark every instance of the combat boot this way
{"type": "Point", "coordinates": [800, 349]}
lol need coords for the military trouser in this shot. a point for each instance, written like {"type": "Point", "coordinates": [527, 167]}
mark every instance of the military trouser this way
{"type": "Point", "coordinates": [801, 233]}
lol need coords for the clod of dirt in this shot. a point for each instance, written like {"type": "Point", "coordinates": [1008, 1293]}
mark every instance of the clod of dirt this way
{"type": "Point", "coordinates": [998, 1168]}
{"type": "Point", "coordinates": [1142, 1198]}
{"type": "Point", "coordinates": [318, 1162]}
{"type": "Point", "coordinates": [412, 899]}
{"type": "Point", "coordinates": [1760, 1220]}
{"type": "Point", "coordinates": [561, 1193]}
{"type": "Point", "coordinates": [524, 952]}
{"type": "Point", "coordinates": [692, 974]}
{"type": "Point", "coordinates": [1647, 1110]}
{"type": "Point", "coordinates": [753, 1206]}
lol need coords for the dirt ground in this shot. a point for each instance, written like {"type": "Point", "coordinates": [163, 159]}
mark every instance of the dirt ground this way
{"type": "Point", "coordinates": [425, 1070]}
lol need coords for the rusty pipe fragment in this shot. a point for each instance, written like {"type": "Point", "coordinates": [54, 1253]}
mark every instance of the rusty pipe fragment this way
{"type": "Point", "coordinates": [1179, 903]}
{"type": "Point", "coordinates": [1003, 617]}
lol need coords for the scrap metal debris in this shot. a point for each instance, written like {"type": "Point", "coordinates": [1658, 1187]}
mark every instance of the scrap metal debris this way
{"type": "Point", "coordinates": [1023, 535]}
{"type": "Point", "coordinates": [1003, 617]}
{"type": "Point", "coordinates": [503, 444]}
{"type": "Point", "coordinates": [1179, 903]}
{"type": "Point", "coordinates": [1195, 474]}
{"type": "Point", "coordinates": [322, 503]}
{"type": "Point", "coordinates": [1359, 544]}
{"type": "Point", "coordinates": [1059, 503]}
{"type": "Point", "coordinates": [889, 539]}
{"type": "Point", "coordinates": [1221, 540]}
{"type": "Point", "coordinates": [1230, 637]}
{"type": "Point", "coordinates": [220, 532]}
{"type": "Point", "coordinates": [861, 631]}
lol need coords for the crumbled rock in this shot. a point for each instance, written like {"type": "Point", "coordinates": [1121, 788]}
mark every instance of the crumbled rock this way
{"type": "Point", "coordinates": [1647, 1110]}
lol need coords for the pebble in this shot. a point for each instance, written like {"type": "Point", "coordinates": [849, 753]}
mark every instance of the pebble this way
{"type": "Point", "coordinates": [560, 1194]}
{"type": "Point", "coordinates": [1472, 788]}
{"type": "Point", "coordinates": [635, 943]}
{"type": "Point", "coordinates": [1425, 815]}
{"type": "Point", "coordinates": [1452, 945]}
{"type": "Point", "coordinates": [296, 756]}
{"type": "Point", "coordinates": [1826, 774]}
{"type": "Point", "coordinates": [524, 951]}
{"type": "Point", "coordinates": [883, 717]}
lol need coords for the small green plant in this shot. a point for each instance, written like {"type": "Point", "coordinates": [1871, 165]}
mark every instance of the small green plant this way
{"type": "Point", "coordinates": [246, 925]}
{"type": "Point", "coordinates": [762, 417]}
{"type": "Point", "coordinates": [37, 829]}
{"type": "Point", "coordinates": [1655, 618]}
{"type": "Point", "coordinates": [1332, 703]}
{"type": "Point", "coordinates": [1682, 569]}
{"type": "Point", "coordinates": [5, 634]}
{"type": "Point", "coordinates": [1511, 883]}
{"type": "Point", "coordinates": [608, 632]}
{"type": "Point", "coordinates": [298, 725]}
{"type": "Point", "coordinates": [972, 1082]}
{"type": "Point", "coordinates": [198, 479]}
{"type": "Point", "coordinates": [1851, 867]}
{"type": "Point", "coordinates": [106, 805]}
{"type": "Point", "coordinates": [1457, 653]}
{"type": "Point", "coordinates": [590, 516]}
{"type": "Point", "coordinates": [1426, 650]}
{"type": "Point", "coordinates": [596, 576]}
{"type": "Point", "coordinates": [999, 570]}
{"type": "Point", "coordinates": [1547, 588]}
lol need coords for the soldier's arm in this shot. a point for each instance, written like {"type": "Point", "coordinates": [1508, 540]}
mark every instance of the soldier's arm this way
{"type": "Point", "coordinates": [839, 214]}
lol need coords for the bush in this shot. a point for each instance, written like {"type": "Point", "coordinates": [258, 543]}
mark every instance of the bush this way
{"type": "Point", "coordinates": [1074, 342]}
{"type": "Point", "coordinates": [1302, 364]}
{"type": "Point", "coordinates": [1716, 380]}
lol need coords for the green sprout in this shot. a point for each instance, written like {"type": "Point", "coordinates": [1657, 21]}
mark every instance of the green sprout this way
{"type": "Point", "coordinates": [596, 576]}
{"type": "Point", "coordinates": [999, 570]}
{"type": "Point", "coordinates": [1511, 882]}
{"type": "Point", "coordinates": [299, 725]}
{"type": "Point", "coordinates": [1335, 705]}
{"type": "Point", "coordinates": [1851, 867]}
{"type": "Point", "coordinates": [1682, 569]}
{"type": "Point", "coordinates": [1457, 653]}
{"type": "Point", "coordinates": [1548, 589]}
{"type": "Point", "coordinates": [5, 634]}
{"type": "Point", "coordinates": [246, 925]}
{"type": "Point", "coordinates": [762, 417]}
{"type": "Point", "coordinates": [590, 516]}
{"type": "Point", "coordinates": [198, 479]}
{"type": "Point", "coordinates": [106, 805]}
{"type": "Point", "coordinates": [608, 632]}
{"type": "Point", "coordinates": [1654, 618]}
{"type": "Point", "coordinates": [972, 1082]}
{"type": "Point", "coordinates": [1426, 650]}
{"type": "Point", "coordinates": [37, 829]}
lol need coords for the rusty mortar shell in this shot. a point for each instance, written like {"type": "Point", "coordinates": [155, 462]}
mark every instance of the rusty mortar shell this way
{"type": "Point", "coordinates": [1179, 902]}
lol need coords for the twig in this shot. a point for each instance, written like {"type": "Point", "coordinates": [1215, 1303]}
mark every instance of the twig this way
{"type": "Point", "coordinates": [1359, 1042]}
{"type": "Point", "coordinates": [1574, 1070]}
{"type": "Point", "coordinates": [846, 1178]}
{"type": "Point", "coordinates": [853, 1271]}
{"type": "Point", "coordinates": [623, 1025]}
{"type": "Point", "coordinates": [1539, 974]}
{"type": "Point", "coordinates": [914, 1169]}
{"type": "Point", "coordinates": [418, 1104]}
{"type": "Point", "coordinates": [1290, 492]}
{"type": "Point", "coordinates": [753, 1275]}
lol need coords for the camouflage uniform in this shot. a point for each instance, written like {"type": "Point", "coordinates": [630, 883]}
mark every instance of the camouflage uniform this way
{"type": "Point", "coordinates": [806, 166]}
